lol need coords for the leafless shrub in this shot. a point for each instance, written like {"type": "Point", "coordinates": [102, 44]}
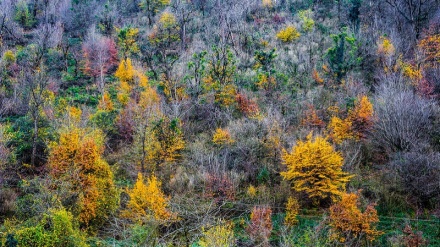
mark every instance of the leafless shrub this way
{"type": "Point", "coordinates": [403, 118]}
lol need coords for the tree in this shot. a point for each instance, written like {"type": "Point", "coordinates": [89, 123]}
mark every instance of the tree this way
{"type": "Point", "coordinates": [219, 79]}
{"type": "Point", "coordinates": [315, 168]}
{"type": "Point", "coordinates": [147, 201]}
{"type": "Point", "coordinates": [222, 137]}
{"type": "Point", "coordinates": [164, 40]}
{"type": "Point", "coordinates": [342, 56]}
{"type": "Point", "coordinates": [76, 160]}
{"type": "Point", "coordinates": [127, 41]}
{"type": "Point", "coordinates": [356, 125]}
{"type": "Point", "coordinates": [288, 34]}
{"type": "Point", "coordinates": [260, 226]}
{"type": "Point", "coordinates": [152, 7]}
{"type": "Point", "coordinates": [349, 225]}
{"type": "Point", "coordinates": [100, 54]}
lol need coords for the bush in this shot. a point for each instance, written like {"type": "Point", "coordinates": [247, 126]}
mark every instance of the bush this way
{"type": "Point", "coordinates": [418, 175]}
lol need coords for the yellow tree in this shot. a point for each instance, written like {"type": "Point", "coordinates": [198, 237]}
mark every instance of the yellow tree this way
{"type": "Point", "coordinates": [349, 224]}
{"type": "Point", "coordinates": [315, 168]}
{"type": "Point", "coordinates": [76, 160]}
{"type": "Point", "coordinates": [147, 201]}
{"type": "Point", "coordinates": [222, 137]}
{"type": "Point", "coordinates": [288, 34]}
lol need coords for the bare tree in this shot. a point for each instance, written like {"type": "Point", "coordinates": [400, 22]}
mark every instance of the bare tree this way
{"type": "Point", "coordinates": [100, 54]}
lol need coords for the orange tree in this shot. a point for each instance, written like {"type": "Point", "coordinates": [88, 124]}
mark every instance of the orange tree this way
{"type": "Point", "coordinates": [349, 225]}
{"type": "Point", "coordinates": [75, 162]}
{"type": "Point", "coordinates": [315, 168]}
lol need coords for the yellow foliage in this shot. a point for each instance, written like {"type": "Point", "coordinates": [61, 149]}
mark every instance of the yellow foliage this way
{"type": "Point", "coordinates": [74, 114]}
{"type": "Point", "coordinates": [358, 121]}
{"type": "Point", "coordinates": [340, 129]}
{"type": "Point", "coordinates": [292, 210]}
{"type": "Point", "coordinates": [226, 95]}
{"type": "Point", "coordinates": [125, 71]}
{"type": "Point", "coordinates": [124, 92]}
{"type": "Point", "coordinates": [385, 47]}
{"type": "Point", "coordinates": [221, 235]}
{"type": "Point", "coordinates": [265, 82]}
{"type": "Point", "coordinates": [222, 137]}
{"type": "Point", "coordinates": [316, 77]}
{"type": "Point", "coordinates": [315, 168]}
{"type": "Point", "coordinates": [9, 57]}
{"type": "Point", "coordinates": [167, 20]}
{"type": "Point", "coordinates": [288, 34]}
{"type": "Point", "coordinates": [411, 71]}
{"type": "Point", "coordinates": [105, 103]}
{"type": "Point", "coordinates": [347, 222]}
{"type": "Point", "coordinates": [252, 191]}
{"type": "Point", "coordinates": [147, 201]}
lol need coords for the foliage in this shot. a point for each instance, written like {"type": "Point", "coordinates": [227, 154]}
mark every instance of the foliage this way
{"type": "Point", "coordinates": [356, 125]}
{"type": "Point", "coordinates": [260, 225]}
{"type": "Point", "coordinates": [125, 71]}
{"type": "Point", "coordinates": [288, 34]}
{"type": "Point", "coordinates": [147, 201]}
{"type": "Point", "coordinates": [385, 47]}
{"type": "Point", "coordinates": [349, 224]}
{"type": "Point", "coordinates": [315, 168]}
{"type": "Point", "coordinates": [78, 154]}
{"type": "Point", "coordinates": [222, 137]}
{"type": "Point", "coordinates": [58, 228]}
{"type": "Point", "coordinates": [342, 56]}
{"type": "Point", "coordinates": [127, 41]}
{"type": "Point", "coordinates": [152, 7]}
{"type": "Point", "coordinates": [292, 210]}
{"type": "Point", "coordinates": [220, 235]}
{"type": "Point", "coordinates": [306, 16]}
{"type": "Point", "coordinates": [23, 15]}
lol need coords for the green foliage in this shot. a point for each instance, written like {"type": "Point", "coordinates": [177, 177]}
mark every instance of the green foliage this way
{"type": "Point", "coordinates": [21, 133]}
{"type": "Point", "coordinates": [343, 55]}
{"type": "Point", "coordinates": [57, 228]}
{"type": "Point", "coordinates": [23, 15]}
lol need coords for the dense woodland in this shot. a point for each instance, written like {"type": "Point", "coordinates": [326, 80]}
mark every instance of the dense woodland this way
{"type": "Point", "coordinates": [216, 123]}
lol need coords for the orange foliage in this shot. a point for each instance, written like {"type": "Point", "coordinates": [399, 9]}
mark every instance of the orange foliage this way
{"type": "Point", "coordinates": [311, 118]}
{"type": "Point", "coordinates": [105, 103]}
{"type": "Point", "coordinates": [430, 47]}
{"type": "Point", "coordinates": [348, 223]}
{"type": "Point", "coordinates": [260, 226]}
{"type": "Point", "coordinates": [316, 77]}
{"type": "Point", "coordinates": [246, 106]}
{"type": "Point", "coordinates": [76, 159]}
{"type": "Point", "coordinates": [355, 125]}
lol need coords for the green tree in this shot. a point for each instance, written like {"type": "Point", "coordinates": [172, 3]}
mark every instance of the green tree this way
{"type": "Point", "coordinates": [342, 56]}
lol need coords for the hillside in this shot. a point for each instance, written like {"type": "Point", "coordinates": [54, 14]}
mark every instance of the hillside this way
{"type": "Point", "coordinates": [216, 123]}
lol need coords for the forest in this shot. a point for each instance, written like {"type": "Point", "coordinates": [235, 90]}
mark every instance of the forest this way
{"type": "Point", "coordinates": [219, 123]}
